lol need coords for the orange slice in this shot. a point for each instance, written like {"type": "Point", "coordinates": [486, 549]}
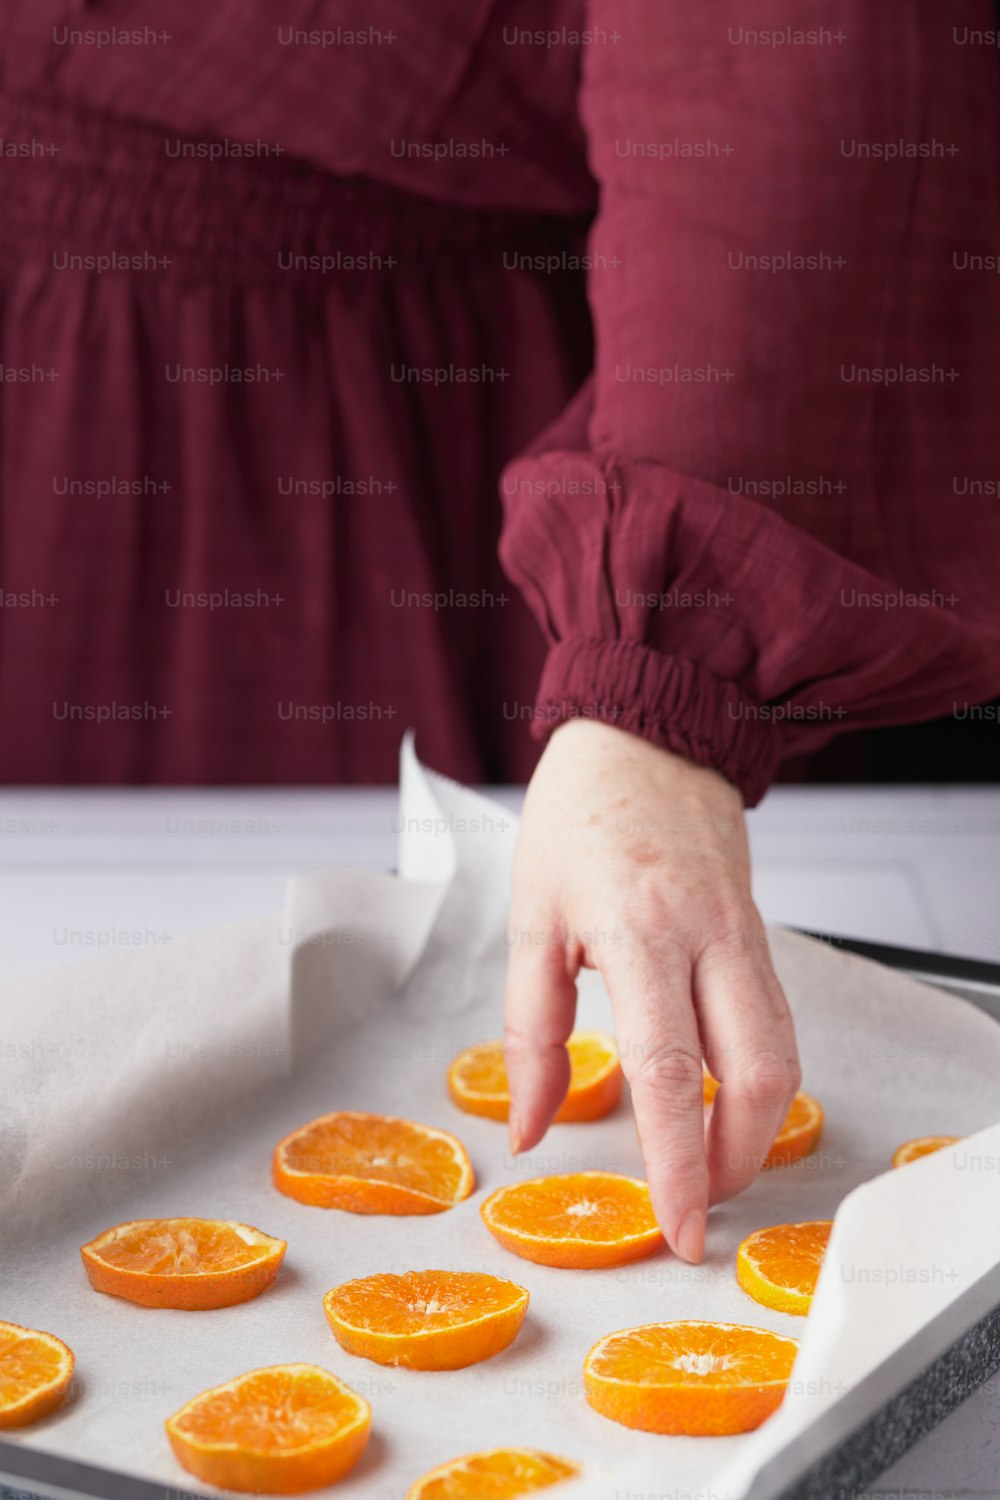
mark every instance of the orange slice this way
{"type": "Point", "coordinates": [500, 1474]}
{"type": "Point", "coordinates": [372, 1164]}
{"type": "Point", "coordinates": [426, 1320]}
{"type": "Point", "coordinates": [923, 1145]}
{"type": "Point", "coordinates": [693, 1378]}
{"type": "Point", "coordinates": [581, 1220]}
{"type": "Point", "coordinates": [798, 1135]}
{"type": "Point", "coordinates": [35, 1372]}
{"type": "Point", "coordinates": [477, 1079]}
{"type": "Point", "coordinates": [779, 1267]}
{"type": "Point", "coordinates": [186, 1263]}
{"type": "Point", "coordinates": [280, 1430]}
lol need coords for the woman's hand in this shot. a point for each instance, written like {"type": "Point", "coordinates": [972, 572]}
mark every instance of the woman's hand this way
{"type": "Point", "coordinates": [634, 861]}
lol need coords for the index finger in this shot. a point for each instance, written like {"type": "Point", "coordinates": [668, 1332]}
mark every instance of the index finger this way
{"type": "Point", "coordinates": [539, 1005]}
{"type": "Point", "coordinates": [661, 1058]}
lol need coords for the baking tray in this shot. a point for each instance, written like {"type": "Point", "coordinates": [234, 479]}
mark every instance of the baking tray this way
{"type": "Point", "coordinates": [852, 1443]}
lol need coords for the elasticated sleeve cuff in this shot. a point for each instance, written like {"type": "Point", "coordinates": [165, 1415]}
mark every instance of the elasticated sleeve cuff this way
{"type": "Point", "coordinates": [667, 701]}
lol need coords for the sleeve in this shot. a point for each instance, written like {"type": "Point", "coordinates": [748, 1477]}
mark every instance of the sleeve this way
{"type": "Point", "coordinates": [417, 95]}
{"type": "Point", "coordinates": [742, 537]}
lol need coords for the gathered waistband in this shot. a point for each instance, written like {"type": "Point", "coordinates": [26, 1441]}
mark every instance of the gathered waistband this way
{"type": "Point", "coordinates": [79, 185]}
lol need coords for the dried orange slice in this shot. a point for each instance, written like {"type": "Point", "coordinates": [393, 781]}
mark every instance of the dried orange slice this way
{"type": "Point", "coordinates": [779, 1267]}
{"type": "Point", "coordinates": [477, 1079]}
{"type": "Point", "coordinates": [922, 1145]}
{"type": "Point", "coordinates": [693, 1378]}
{"type": "Point", "coordinates": [798, 1135]}
{"type": "Point", "coordinates": [426, 1320]}
{"type": "Point", "coordinates": [35, 1372]}
{"type": "Point", "coordinates": [279, 1430]}
{"type": "Point", "coordinates": [582, 1219]}
{"type": "Point", "coordinates": [500, 1474]}
{"type": "Point", "coordinates": [185, 1263]}
{"type": "Point", "coordinates": [372, 1164]}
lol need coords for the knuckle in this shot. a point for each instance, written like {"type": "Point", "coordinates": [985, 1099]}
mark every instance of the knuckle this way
{"type": "Point", "coordinates": [768, 1080]}
{"type": "Point", "coordinates": [671, 1073]}
{"type": "Point", "coordinates": [694, 922]}
{"type": "Point", "coordinates": [691, 920]}
{"type": "Point", "coordinates": [646, 896]}
{"type": "Point", "coordinates": [735, 932]}
{"type": "Point", "coordinates": [543, 1049]}
{"type": "Point", "coordinates": [516, 1041]}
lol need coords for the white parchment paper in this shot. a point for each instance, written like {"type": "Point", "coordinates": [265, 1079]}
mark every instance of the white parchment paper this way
{"type": "Point", "coordinates": [157, 1084]}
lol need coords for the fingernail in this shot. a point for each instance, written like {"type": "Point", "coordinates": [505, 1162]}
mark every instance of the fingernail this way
{"type": "Point", "coordinates": [515, 1134]}
{"type": "Point", "coordinates": [691, 1236]}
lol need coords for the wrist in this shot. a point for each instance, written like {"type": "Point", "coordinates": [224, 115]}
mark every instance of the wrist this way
{"type": "Point", "coordinates": [601, 743]}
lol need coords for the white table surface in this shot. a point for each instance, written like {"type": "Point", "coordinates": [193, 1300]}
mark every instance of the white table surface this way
{"type": "Point", "coordinates": [83, 872]}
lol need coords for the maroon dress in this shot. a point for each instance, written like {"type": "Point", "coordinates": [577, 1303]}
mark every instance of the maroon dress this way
{"type": "Point", "coordinates": [285, 284]}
